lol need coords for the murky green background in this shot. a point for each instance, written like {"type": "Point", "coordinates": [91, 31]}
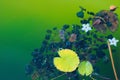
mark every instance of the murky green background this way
{"type": "Point", "coordinates": [23, 24]}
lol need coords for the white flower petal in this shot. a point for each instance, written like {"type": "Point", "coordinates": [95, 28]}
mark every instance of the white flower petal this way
{"type": "Point", "coordinates": [83, 25]}
{"type": "Point", "coordinates": [86, 27]}
{"type": "Point", "coordinates": [113, 41]}
{"type": "Point", "coordinates": [115, 44]}
{"type": "Point", "coordinates": [117, 40]}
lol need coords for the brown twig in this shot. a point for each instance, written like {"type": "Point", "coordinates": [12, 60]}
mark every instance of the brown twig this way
{"type": "Point", "coordinates": [113, 66]}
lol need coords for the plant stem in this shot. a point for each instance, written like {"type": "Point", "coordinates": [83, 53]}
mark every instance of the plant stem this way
{"type": "Point", "coordinates": [100, 76]}
{"type": "Point", "coordinates": [111, 57]}
{"type": "Point", "coordinates": [92, 77]}
{"type": "Point", "coordinates": [58, 76]}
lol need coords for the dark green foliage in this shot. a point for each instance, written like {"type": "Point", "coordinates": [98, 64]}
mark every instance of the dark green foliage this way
{"type": "Point", "coordinates": [65, 27]}
{"type": "Point", "coordinates": [109, 24]}
{"type": "Point", "coordinates": [28, 69]}
{"type": "Point", "coordinates": [103, 46]}
{"type": "Point", "coordinates": [83, 46]}
{"type": "Point", "coordinates": [110, 36]}
{"type": "Point", "coordinates": [55, 28]}
{"type": "Point", "coordinates": [80, 14]}
{"type": "Point", "coordinates": [89, 46]}
{"type": "Point", "coordinates": [91, 13]}
{"type": "Point", "coordinates": [49, 31]}
{"type": "Point", "coordinates": [100, 53]}
{"type": "Point", "coordinates": [84, 21]}
{"type": "Point", "coordinates": [47, 37]}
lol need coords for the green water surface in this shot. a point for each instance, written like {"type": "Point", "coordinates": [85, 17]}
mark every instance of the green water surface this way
{"type": "Point", "coordinates": [23, 24]}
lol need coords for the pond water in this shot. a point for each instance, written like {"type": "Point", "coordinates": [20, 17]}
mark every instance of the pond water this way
{"type": "Point", "coordinates": [23, 25]}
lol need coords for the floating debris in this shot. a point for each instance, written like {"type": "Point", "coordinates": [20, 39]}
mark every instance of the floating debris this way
{"type": "Point", "coordinates": [105, 19]}
{"type": "Point", "coordinates": [62, 34]}
{"type": "Point", "coordinates": [113, 8]}
{"type": "Point", "coordinates": [97, 21]}
{"type": "Point", "coordinates": [72, 37]}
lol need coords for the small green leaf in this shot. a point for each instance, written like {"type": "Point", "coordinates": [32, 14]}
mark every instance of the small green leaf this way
{"type": "Point", "coordinates": [85, 68]}
{"type": "Point", "coordinates": [80, 14]}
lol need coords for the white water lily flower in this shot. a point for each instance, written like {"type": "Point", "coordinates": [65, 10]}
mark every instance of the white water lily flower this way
{"type": "Point", "coordinates": [113, 41]}
{"type": "Point", "coordinates": [86, 27]}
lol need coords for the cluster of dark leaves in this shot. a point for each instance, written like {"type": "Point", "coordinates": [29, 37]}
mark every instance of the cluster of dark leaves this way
{"type": "Point", "coordinates": [89, 46]}
{"type": "Point", "coordinates": [43, 64]}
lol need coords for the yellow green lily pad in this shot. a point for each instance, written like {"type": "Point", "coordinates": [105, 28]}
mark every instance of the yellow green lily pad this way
{"type": "Point", "coordinates": [85, 68]}
{"type": "Point", "coordinates": [68, 60]}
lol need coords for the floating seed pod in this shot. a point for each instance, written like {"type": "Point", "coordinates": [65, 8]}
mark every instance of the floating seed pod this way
{"type": "Point", "coordinates": [113, 8]}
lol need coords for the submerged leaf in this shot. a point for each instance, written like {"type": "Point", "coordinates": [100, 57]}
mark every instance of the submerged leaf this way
{"type": "Point", "coordinates": [85, 68]}
{"type": "Point", "coordinates": [68, 60]}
